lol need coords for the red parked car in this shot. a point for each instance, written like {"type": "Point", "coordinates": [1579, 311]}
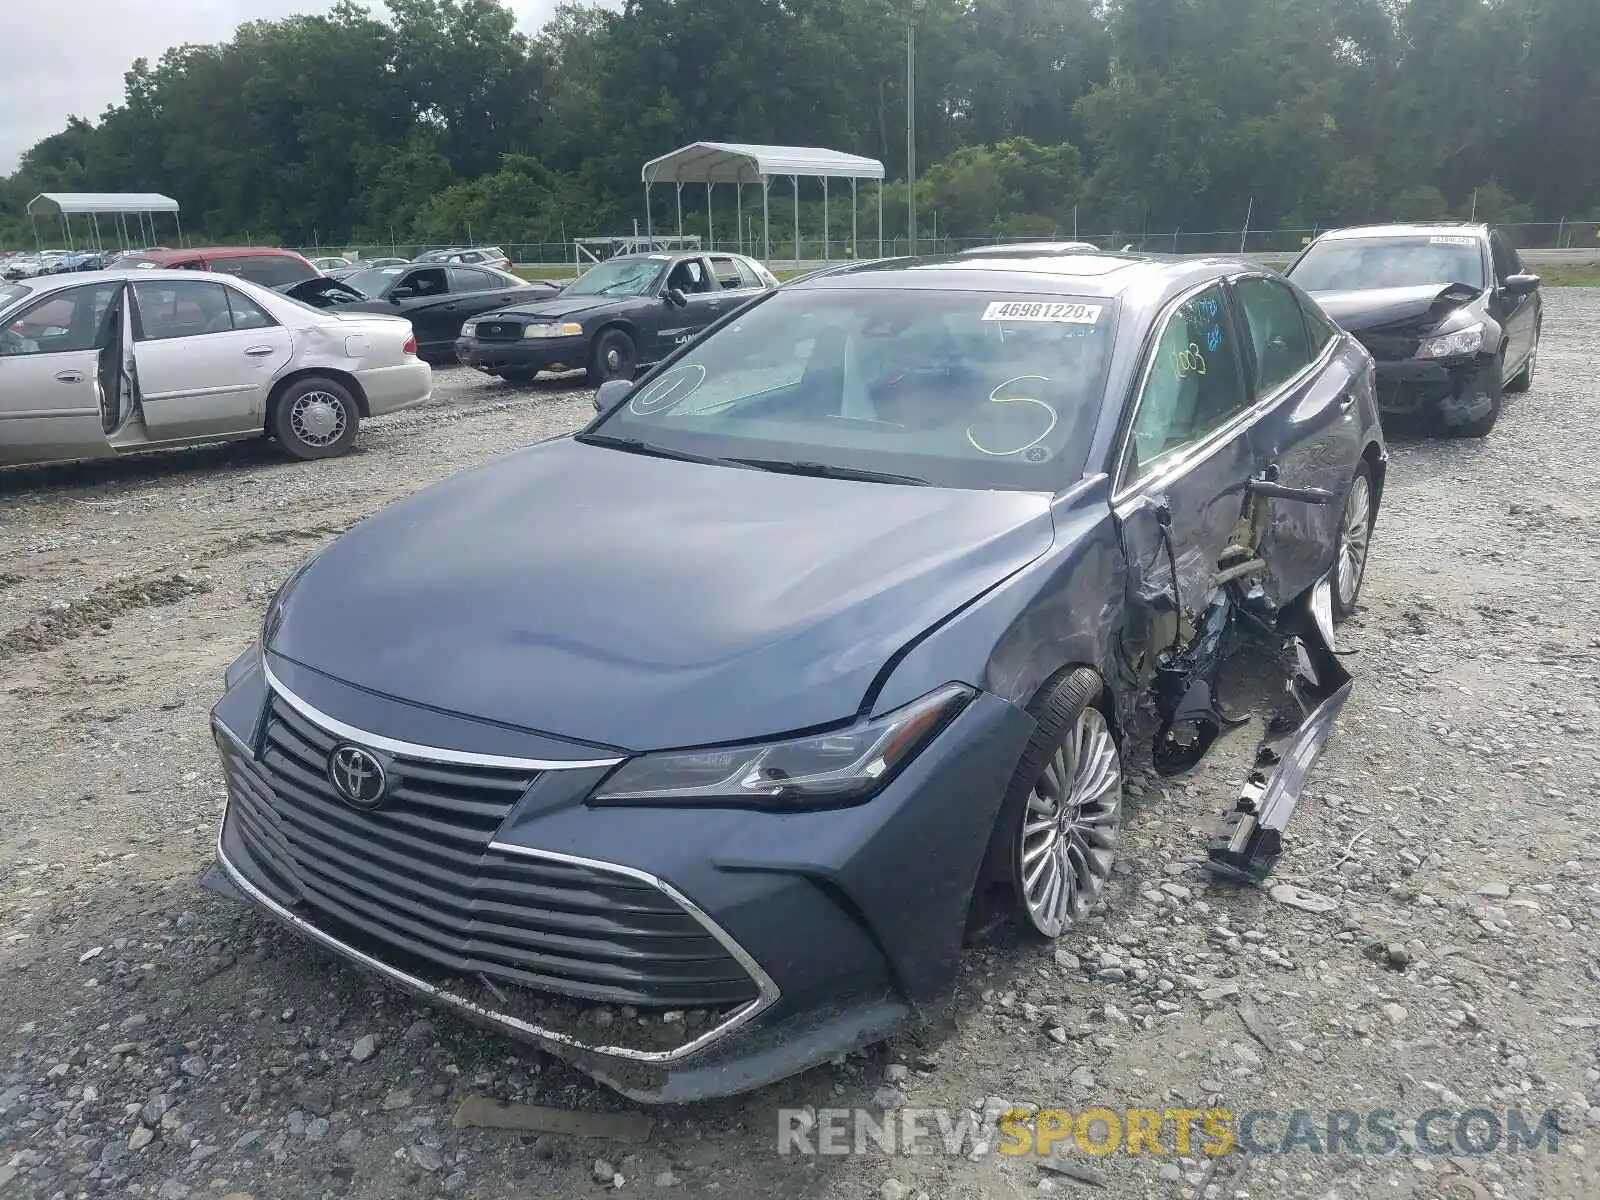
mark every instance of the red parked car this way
{"type": "Point", "coordinates": [268, 266]}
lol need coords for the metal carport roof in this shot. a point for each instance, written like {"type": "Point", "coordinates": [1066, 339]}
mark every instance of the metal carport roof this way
{"type": "Point", "coordinates": [740, 163]}
{"type": "Point", "coordinates": [735, 162]}
{"type": "Point", "coordinates": [56, 204]}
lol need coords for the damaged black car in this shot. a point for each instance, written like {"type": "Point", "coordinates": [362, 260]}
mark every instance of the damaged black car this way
{"type": "Point", "coordinates": [1447, 310]}
{"type": "Point", "coordinates": [689, 747]}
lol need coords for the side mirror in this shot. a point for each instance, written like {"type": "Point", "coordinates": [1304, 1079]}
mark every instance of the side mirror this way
{"type": "Point", "coordinates": [402, 293]}
{"type": "Point", "coordinates": [673, 296]}
{"type": "Point", "coordinates": [1521, 285]}
{"type": "Point", "coordinates": [612, 393]}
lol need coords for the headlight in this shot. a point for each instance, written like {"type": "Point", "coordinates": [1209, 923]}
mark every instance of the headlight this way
{"type": "Point", "coordinates": [1453, 345]}
{"type": "Point", "coordinates": [846, 766]}
{"type": "Point", "coordinates": [469, 328]}
{"type": "Point", "coordinates": [563, 329]}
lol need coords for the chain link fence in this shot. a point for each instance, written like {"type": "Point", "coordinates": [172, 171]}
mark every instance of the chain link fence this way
{"type": "Point", "coordinates": [1560, 234]}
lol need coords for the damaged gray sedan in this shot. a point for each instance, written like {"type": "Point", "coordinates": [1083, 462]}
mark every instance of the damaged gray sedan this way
{"type": "Point", "coordinates": [834, 632]}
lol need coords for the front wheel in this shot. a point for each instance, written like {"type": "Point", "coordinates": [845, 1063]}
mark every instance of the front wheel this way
{"type": "Point", "coordinates": [315, 417]}
{"type": "Point", "coordinates": [520, 376]}
{"type": "Point", "coordinates": [1060, 822]}
{"type": "Point", "coordinates": [1481, 426]}
{"type": "Point", "coordinates": [614, 357]}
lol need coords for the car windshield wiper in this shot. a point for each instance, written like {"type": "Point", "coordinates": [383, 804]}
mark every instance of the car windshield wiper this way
{"type": "Point", "coordinates": [828, 471]}
{"type": "Point", "coordinates": [638, 446]}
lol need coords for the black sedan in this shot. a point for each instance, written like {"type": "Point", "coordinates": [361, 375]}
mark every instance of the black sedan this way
{"type": "Point", "coordinates": [1447, 311]}
{"type": "Point", "coordinates": [626, 312]}
{"type": "Point", "coordinates": [687, 747]}
{"type": "Point", "coordinates": [436, 298]}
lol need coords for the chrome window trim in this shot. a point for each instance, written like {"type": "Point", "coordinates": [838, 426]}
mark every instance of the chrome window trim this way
{"type": "Point", "coordinates": [1173, 462]}
{"type": "Point", "coordinates": [767, 991]}
{"type": "Point", "coordinates": [434, 754]}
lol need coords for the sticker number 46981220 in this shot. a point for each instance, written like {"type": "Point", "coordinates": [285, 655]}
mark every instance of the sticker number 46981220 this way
{"type": "Point", "coordinates": [1032, 310]}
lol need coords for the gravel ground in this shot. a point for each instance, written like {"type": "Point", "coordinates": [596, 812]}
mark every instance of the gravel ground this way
{"type": "Point", "coordinates": [160, 1042]}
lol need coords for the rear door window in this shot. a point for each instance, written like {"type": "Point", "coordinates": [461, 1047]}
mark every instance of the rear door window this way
{"type": "Point", "coordinates": [269, 270]}
{"type": "Point", "coordinates": [1277, 330]}
{"type": "Point", "coordinates": [170, 309]}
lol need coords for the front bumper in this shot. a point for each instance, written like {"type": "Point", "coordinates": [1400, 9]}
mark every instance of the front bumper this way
{"type": "Point", "coordinates": [528, 354]}
{"type": "Point", "coordinates": [788, 938]}
{"type": "Point", "coordinates": [1455, 390]}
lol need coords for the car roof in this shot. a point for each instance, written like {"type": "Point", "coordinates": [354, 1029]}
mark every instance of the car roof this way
{"type": "Point", "coordinates": [1104, 275]}
{"type": "Point", "coordinates": [1407, 229]}
{"type": "Point", "coordinates": [216, 252]}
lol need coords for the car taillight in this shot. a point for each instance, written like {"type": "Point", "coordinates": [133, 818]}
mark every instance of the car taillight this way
{"type": "Point", "coordinates": [411, 345]}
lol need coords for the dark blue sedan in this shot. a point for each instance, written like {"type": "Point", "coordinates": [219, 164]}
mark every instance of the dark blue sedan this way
{"type": "Point", "coordinates": [687, 747]}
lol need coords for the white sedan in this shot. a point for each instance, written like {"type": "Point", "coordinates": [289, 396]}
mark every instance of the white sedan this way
{"type": "Point", "coordinates": [98, 365]}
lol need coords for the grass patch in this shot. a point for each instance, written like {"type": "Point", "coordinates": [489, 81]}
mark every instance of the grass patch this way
{"type": "Point", "coordinates": [1574, 275]}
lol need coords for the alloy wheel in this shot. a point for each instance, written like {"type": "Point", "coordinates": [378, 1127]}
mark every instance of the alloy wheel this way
{"type": "Point", "coordinates": [1354, 534]}
{"type": "Point", "coordinates": [1069, 832]}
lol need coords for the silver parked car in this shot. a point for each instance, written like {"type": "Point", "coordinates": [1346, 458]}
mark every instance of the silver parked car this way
{"type": "Point", "coordinates": [95, 366]}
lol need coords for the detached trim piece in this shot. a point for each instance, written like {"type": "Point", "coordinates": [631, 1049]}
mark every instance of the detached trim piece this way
{"type": "Point", "coordinates": [1249, 842]}
{"type": "Point", "coordinates": [463, 758]}
{"type": "Point", "coordinates": [768, 991]}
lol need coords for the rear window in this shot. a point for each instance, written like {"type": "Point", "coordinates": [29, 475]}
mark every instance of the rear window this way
{"type": "Point", "coordinates": [269, 270]}
{"type": "Point", "coordinates": [10, 294]}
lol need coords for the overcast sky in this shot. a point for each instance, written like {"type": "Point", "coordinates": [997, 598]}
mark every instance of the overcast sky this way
{"type": "Point", "coordinates": [67, 58]}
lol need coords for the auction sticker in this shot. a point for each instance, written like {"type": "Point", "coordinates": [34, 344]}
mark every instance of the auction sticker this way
{"type": "Point", "coordinates": [1452, 240]}
{"type": "Point", "coordinates": [1034, 310]}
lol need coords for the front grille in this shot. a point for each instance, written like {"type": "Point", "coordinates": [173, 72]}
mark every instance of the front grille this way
{"type": "Point", "coordinates": [417, 876]}
{"type": "Point", "coordinates": [1390, 344]}
{"type": "Point", "coordinates": [499, 331]}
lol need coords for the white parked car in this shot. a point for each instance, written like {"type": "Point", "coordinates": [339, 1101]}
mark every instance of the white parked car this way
{"type": "Point", "coordinates": [96, 366]}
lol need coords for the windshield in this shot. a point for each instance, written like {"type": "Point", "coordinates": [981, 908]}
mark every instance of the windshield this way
{"type": "Point", "coordinates": [373, 281]}
{"type": "Point", "coordinates": [1362, 264]}
{"type": "Point", "coordinates": [618, 277]}
{"type": "Point", "coordinates": [964, 389]}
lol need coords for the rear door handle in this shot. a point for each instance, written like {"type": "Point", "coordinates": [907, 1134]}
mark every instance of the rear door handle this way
{"type": "Point", "coordinates": [70, 376]}
{"type": "Point", "coordinates": [259, 351]}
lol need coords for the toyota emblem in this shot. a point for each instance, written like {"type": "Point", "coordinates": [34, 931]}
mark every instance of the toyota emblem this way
{"type": "Point", "coordinates": [357, 776]}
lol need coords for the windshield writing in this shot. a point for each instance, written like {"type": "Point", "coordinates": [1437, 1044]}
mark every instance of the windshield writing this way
{"type": "Point", "coordinates": [964, 390]}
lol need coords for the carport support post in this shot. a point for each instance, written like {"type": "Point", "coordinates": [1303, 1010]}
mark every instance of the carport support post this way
{"type": "Point", "coordinates": [766, 223]}
{"type": "Point", "coordinates": [94, 226]}
{"type": "Point", "coordinates": [680, 216]}
{"type": "Point", "coordinates": [824, 218]}
{"type": "Point", "coordinates": [738, 208]}
{"type": "Point", "coordinates": [711, 237]}
{"type": "Point", "coordinates": [34, 221]}
{"type": "Point", "coordinates": [649, 232]}
{"type": "Point", "coordinates": [853, 217]}
{"type": "Point", "coordinates": [178, 221]}
{"type": "Point", "coordinates": [794, 181]}
{"type": "Point", "coordinates": [880, 218]}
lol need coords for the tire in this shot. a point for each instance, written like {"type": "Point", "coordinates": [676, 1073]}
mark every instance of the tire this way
{"type": "Point", "coordinates": [1524, 379]}
{"type": "Point", "coordinates": [315, 417]}
{"type": "Point", "coordinates": [1054, 874]}
{"type": "Point", "coordinates": [520, 376]}
{"type": "Point", "coordinates": [1482, 426]}
{"type": "Point", "coordinates": [614, 357]}
{"type": "Point", "coordinates": [1355, 539]}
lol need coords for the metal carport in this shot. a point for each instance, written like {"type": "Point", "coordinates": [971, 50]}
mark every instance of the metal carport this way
{"type": "Point", "coordinates": [94, 205]}
{"type": "Point", "coordinates": [712, 163]}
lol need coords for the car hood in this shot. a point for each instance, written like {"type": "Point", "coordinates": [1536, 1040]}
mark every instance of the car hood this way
{"type": "Point", "coordinates": [546, 307]}
{"type": "Point", "coordinates": [1369, 309]}
{"type": "Point", "coordinates": [644, 603]}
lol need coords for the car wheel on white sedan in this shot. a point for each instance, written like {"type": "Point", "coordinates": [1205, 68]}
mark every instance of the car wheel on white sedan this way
{"type": "Point", "coordinates": [315, 417]}
{"type": "Point", "coordinates": [1056, 838]}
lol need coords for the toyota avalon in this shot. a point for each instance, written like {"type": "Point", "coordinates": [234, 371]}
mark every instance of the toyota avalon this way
{"type": "Point", "coordinates": [688, 747]}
